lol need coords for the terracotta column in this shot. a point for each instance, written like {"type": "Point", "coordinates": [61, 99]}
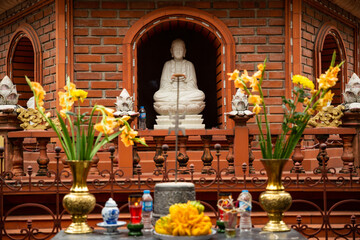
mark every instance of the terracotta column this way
{"type": "Point", "coordinates": [43, 159]}
{"type": "Point", "coordinates": [206, 158]}
{"type": "Point", "coordinates": [348, 153]}
{"type": "Point", "coordinates": [17, 157]}
{"type": "Point", "coordinates": [125, 155]}
{"type": "Point", "coordinates": [158, 158]}
{"type": "Point", "coordinates": [241, 141]}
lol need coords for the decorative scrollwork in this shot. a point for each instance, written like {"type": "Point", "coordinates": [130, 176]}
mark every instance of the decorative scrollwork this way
{"type": "Point", "coordinates": [328, 117]}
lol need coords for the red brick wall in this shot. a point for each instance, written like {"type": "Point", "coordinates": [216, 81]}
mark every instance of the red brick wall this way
{"type": "Point", "coordinates": [99, 28]}
{"type": "Point", "coordinates": [258, 28]}
{"type": "Point", "coordinates": [312, 20]}
{"type": "Point", "coordinates": [43, 21]}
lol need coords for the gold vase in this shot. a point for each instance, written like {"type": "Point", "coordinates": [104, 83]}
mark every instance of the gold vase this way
{"type": "Point", "coordinates": [79, 202]}
{"type": "Point", "coordinates": [275, 201]}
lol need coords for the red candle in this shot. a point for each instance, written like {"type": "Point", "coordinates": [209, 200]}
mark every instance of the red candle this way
{"type": "Point", "coordinates": [135, 209]}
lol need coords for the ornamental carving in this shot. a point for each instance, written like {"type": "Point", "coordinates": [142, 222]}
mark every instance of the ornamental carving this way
{"type": "Point", "coordinates": [328, 117]}
{"type": "Point", "coordinates": [32, 119]}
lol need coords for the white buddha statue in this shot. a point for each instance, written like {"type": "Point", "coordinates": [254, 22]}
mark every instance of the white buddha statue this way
{"type": "Point", "coordinates": [191, 99]}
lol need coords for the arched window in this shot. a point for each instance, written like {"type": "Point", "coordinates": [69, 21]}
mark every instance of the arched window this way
{"type": "Point", "coordinates": [24, 58]}
{"type": "Point", "coordinates": [329, 40]}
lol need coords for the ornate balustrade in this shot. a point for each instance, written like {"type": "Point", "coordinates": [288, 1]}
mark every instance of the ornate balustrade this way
{"type": "Point", "coordinates": [196, 148]}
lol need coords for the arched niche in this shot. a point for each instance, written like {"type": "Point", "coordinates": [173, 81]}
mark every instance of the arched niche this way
{"type": "Point", "coordinates": [24, 57]}
{"type": "Point", "coordinates": [210, 47]}
{"type": "Point", "coordinates": [328, 40]}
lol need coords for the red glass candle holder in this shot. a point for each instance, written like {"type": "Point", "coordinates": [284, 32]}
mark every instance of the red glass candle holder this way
{"type": "Point", "coordinates": [135, 207]}
{"type": "Point", "coordinates": [223, 195]}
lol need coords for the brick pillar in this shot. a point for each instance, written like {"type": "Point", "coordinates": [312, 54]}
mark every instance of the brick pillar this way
{"type": "Point", "coordinates": [241, 142]}
{"type": "Point", "coordinates": [125, 156]}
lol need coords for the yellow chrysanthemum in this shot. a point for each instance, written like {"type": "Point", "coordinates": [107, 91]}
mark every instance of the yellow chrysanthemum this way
{"type": "Point", "coordinates": [304, 81]}
{"type": "Point", "coordinates": [234, 75]}
{"type": "Point", "coordinates": [255, 99]}
{"type": "Point", "coordinates": [79, 94]}
{"type": "Point", "coordinates": [257, 109]}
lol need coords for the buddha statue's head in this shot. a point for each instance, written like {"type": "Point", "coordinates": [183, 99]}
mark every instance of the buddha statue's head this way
{"type": "Point", "coordinates": [8, 93]}
{"type": "Point", "coordinates": [178, 49]}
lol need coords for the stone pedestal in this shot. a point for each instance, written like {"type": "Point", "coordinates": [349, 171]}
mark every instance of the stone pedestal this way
{"type": "Point", "coordinates": [189, 122]}
{"type": "Point", "coordinates": [167, 194]}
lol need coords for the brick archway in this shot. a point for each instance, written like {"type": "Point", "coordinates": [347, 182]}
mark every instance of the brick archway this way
{"type": "Point", "coordinates": [201, 20]}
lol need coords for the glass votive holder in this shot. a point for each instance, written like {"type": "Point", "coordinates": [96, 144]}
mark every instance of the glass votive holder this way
{"type": "Point", "coordinates": [135, 207]}
{"type": "Point", "coordinates": [230, 220]}
{"type": "Point", "coordinates": [223, 196]}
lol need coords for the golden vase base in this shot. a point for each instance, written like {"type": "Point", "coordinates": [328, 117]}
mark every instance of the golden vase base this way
{"type": "Point", "coordinates": [276, 226]}
{"type": "Point", "coordinates": [79, 228]}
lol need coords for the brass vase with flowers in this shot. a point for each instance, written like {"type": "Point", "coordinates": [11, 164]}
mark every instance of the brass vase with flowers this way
{"type": "Point", "coordinates": [275, 201]}
{"type": "Point", "coordinates": [80, 143]}
{"type": "Point", "coordinates": [79, 202]}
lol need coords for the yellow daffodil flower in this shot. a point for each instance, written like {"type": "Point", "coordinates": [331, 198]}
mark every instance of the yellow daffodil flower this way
{"type": "Point", "coordinates": [328, 96]}
{"type": "Point", "coordinates": [239, 84]}
{"type": "Point", "coordinates": [39, 92]}
{"type": "Point", "coordinates": [256, 109]}
{"type": "Point", "coordinates": [255, 99]}
{"type": "Point", "coordinates": [107, 125]}
{"type": "Point", "coordinates": [310, 111]}
{"type": "Point", "coordinates": [123, 119]}
{"type": "Point", "coordinates": [127, 136]}
{"type": "Point", "coordinates": [234, 75]}
{"type": "Point", "coordinates": [328, 79]}
{"type": "Point", "coordinates": [260, 67]}
{"type": "Point", "coordinates": [304, 81]}
{"type": "Point", "coordinates": [72, 87]}
{"type": "Point", "coordinates": [245, 77]}
{"type": "Point", "coordinates": [254, 84]}
{"type": "Point", "coordinates": [306, 101]}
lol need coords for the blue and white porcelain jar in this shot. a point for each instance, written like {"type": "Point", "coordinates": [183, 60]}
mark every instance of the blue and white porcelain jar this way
{"type": "Point", "coordinates": [110, 212]}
